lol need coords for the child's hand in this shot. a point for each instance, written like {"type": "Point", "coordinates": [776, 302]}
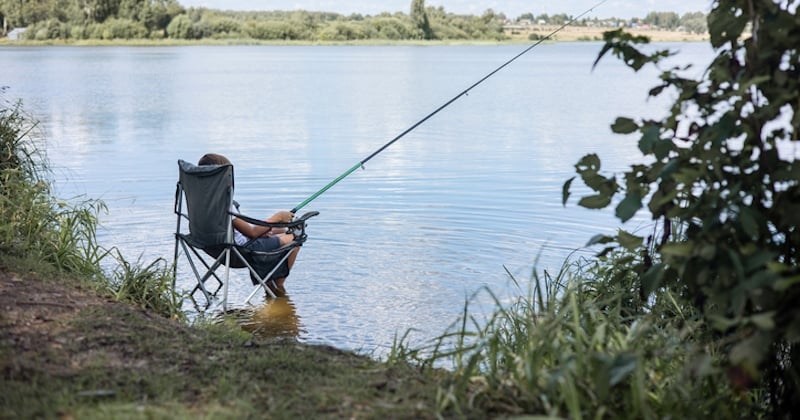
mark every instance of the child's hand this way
{"type": "Point", "coordinates": [286, 216]}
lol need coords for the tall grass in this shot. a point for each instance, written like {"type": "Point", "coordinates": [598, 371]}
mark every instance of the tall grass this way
{"type": "Point", "coordinates": [570, 346]}
{"type": "Point", "coordinates": [147, 285]}
{"type": "Point", "coordinates": [34, 224]}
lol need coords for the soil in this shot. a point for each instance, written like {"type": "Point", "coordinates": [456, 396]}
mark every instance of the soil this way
{"type": "Point", "coordinates": [68, 351]}
{"type": "Point", "coordinates": [35, 315]}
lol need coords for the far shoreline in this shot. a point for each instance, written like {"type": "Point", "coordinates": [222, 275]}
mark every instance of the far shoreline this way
{"type": "Point", "coordinates": [567, 34]}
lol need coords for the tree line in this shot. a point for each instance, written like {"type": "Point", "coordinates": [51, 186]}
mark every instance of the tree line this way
{"type": "Point", "coordinates": [160, 19]}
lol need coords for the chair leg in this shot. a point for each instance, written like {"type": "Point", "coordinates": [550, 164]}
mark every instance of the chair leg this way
{"type": "Point", "coordinates": [262, 281]}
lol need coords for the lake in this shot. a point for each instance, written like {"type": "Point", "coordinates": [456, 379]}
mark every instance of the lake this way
{"type": "Point", "coordinates": [440, 215]}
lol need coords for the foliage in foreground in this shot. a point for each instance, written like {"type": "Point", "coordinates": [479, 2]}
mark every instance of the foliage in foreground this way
{"type": "Point", "coordinates": [40, 227]}
{"type": "Point", "coordinates": [723, 165]}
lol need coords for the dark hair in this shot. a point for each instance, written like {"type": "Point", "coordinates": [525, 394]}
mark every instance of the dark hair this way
{"type": "Point", "coordinates": [213, 159]}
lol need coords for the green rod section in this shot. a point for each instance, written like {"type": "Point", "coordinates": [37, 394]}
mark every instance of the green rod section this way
{"type": "Point", "coordinates": [445, 105]}
{"type": "Point", "coordinates": [327, 187]}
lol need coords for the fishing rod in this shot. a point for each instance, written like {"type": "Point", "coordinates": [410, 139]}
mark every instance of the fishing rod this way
{"type": "Point", "coordinates": [361, 163]}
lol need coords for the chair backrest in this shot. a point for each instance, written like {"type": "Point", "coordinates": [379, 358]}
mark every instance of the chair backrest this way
{"type": "Point", "coordinates": [208, 190]}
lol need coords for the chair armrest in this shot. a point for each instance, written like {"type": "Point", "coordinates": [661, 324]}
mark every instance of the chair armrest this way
{"type": "Point", "coordinates": [293, 224]}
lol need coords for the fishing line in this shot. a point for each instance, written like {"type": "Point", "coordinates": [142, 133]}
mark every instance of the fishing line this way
{"type": "Point", "coordinates": [437, 110]}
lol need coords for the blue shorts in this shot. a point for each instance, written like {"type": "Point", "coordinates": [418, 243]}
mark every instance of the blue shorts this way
{"type": "Point", "coordinates": [264, 243]}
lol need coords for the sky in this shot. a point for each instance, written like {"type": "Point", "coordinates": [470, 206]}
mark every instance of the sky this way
{"type": "Point", "coordinates": [512, 8]}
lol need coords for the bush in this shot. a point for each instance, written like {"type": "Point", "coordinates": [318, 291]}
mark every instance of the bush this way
{"type": "Point", "coordinates": [181, 27]}
{"type": "Point", "coordinates": [391, 28]}
{"type": "Point", "coordinates": [344, 31]}
{"type": "Point", "coordinates": [48, 29]}
{"type": "Point", "coordinates": [723, 165]}
{"type": "Point", "coordinates": [123, 29]}
{"type": "Point", "coordinates": [271, 30]}
{"type": "Point", "coordinates": [78, 32]}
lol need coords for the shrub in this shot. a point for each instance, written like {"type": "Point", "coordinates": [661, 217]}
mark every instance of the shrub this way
{"type": "Point", "coordinates": [180, 27]}
{"type": "Point", "coordinates": [344, 31]}
{"type": "Point", "coordinates": [723, 165]}
{"type": "Point", "coordinates": [271, 30]}
{"type": "Point", "coordinates": [123, 29]}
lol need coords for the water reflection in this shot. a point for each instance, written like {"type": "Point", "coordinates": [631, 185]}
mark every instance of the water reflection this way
{"type": "Point", "coordinates": [276, 318]}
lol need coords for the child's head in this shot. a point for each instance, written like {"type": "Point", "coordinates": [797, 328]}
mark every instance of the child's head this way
{"type": "Point", "coordinates": [213, 159]}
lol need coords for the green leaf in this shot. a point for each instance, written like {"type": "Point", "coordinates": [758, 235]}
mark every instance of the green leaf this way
{"type": "Point", "coordinates": [760, 259]}
{"type": "Point", "coordinates": [594, 181]}
{"type": "Point", "coordinates": [649, 139]}
{"type": "Point", "coordinates": [597, 201]}
{"type": "Point", "coordinates": [747, 218]}
{"type": "Point", "coordinates": [725, 24]}
{"type": "Point", "coordinates": [764, 321]}
{"type": "Point", "coordinates": [735, 261]}
{"type": "Point", "coordinates": [565, 191]}
{"type": "Point", "coordinates": [651, 280]}
{"type": "Point", "coordinates": [629, 241]}
{"type": "Point", "coordinates": [722, 323]}
{"type": "Point", "coordinates": [658, 89]}
{"type": "Point", "coordinates": [605, 251]}
{"type": "Point", "coordinates": [624, 126]}
{"type": "Point", "coordinates": [677, 249]}
{"type": "Point", "coordinates": [785, 284]}
{"type": "Point", "coordinates": [662, 148]}
{"type": "Point", "coordinates": [588, 164]}
{"type": "Point", "coordinates": [751, 351]}
{"type": "Point", "coordinates": [628, 207]}
{"type": "Point", "coordinates": [606, 48]}
{"type": "Point", "coordinates": [600, 239]}
{"type": "Point", "coordinates": [623, 366]}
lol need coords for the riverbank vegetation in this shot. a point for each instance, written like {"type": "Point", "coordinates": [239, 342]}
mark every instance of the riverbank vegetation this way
{"type": "Point", "coordinates": [76, 21]}
{"type": "Point", "coordinates": [696, 319]}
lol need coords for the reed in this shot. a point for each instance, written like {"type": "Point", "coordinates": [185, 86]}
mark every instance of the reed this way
{"type": "Point", "coordinates": [571, 346]}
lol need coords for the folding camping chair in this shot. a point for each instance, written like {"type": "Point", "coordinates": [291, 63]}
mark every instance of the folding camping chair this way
{"type": "Point", "coordinates": [207, 192]}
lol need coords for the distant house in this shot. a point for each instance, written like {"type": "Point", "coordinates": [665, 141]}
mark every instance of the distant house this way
{"type": "Point", "coordinates": [16, 34]}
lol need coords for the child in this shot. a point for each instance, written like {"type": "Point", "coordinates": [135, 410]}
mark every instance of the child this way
{"type": "Point", "coordinates": [255, 237]}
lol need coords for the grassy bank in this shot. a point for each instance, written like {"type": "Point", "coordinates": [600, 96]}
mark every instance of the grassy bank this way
{"type": "Point", "coordinates": [70, 351]}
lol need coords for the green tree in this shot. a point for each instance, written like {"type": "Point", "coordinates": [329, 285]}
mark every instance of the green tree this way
{"type": "Point", "coordinates": [559, 19]}
{"type": "Point", "coordinates": [526, 16]}
{"type": "Point", "coordinates": [694, 22]}
{"type": "Point", "coordinates": [420, 18]}
{"type": "Point", "coordinates": [21, 13]}
{"type": "Point", "coordinates": [723, 167]}
{"type": "Point", "coordinates": [664, 20]}
{"type": "Point", "coordinates": [181, 27]}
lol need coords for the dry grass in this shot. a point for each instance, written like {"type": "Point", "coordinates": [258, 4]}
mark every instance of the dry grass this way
{"type": "Point", "coordinates": [581, 33]}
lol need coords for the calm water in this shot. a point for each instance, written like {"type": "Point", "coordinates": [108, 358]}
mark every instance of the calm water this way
{"type": "Point", "coordinates": [402, 244]}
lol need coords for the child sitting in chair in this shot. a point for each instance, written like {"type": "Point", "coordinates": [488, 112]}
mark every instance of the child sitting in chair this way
{"type": "Point", "coordinates": [259, 238]}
